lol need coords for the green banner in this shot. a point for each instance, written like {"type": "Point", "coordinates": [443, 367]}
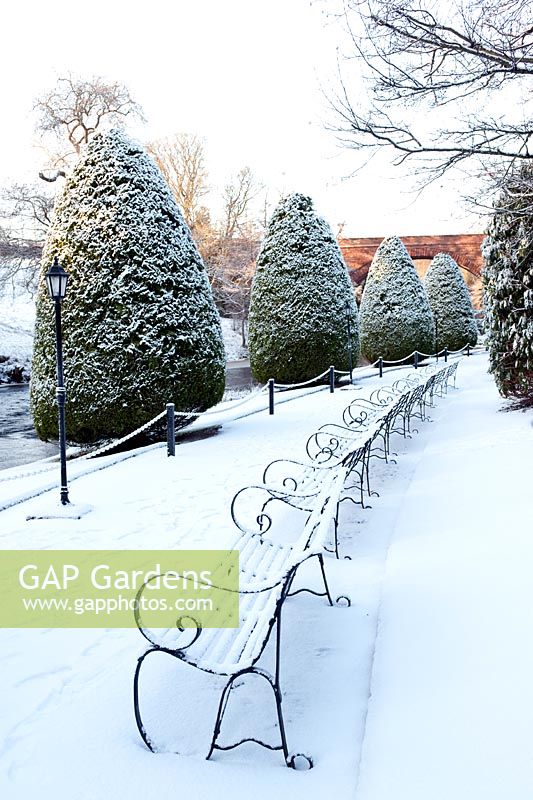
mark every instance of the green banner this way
{"type": "Point", "coordinates": [118, 588]}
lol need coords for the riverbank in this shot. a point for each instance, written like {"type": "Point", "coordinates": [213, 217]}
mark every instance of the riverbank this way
{"type": "Point", "coordinates": [19, 443]}
{"type": "Point", "coordinates": [17, 315]}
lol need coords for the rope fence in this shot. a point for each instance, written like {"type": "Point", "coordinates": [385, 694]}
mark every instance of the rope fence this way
{"type": "Point", "coordinates": [271, 387]}
{"type": "Point", "coordinates": [286, 386]}
{"type": "Point", "coordinates": [118, 442]}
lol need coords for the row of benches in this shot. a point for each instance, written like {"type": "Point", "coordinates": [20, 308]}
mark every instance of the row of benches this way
{"type": "Point", "coordinates": [337, 468]}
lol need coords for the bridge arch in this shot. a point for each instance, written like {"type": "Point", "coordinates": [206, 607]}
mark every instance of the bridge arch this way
{"type": "Point", "coordinates": [464, 248]}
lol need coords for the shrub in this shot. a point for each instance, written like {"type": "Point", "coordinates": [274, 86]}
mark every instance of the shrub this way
{"type": "Point", "coordinates": [450, 303]}
{"type": "Point", "coordinates": [395, 316]}
{"type": "Point", "coordinates": [508, 289]}
{"type": "Point", "coordinates": [140, 328]}
{"type": "Point", "coordinates": [301, 298]}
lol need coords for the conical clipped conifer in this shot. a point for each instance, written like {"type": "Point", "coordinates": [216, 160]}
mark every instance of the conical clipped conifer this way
{"type": "Point", "coordinates": [508, 289]}
{"type": "Point", "coordinates": [451, 304]}
{"type": "Point", "coordinates": [302, 301]}
{"type": "Point", "coordinates": [395, 317]}
{"type": "Point", "coordinates": [140, 328]}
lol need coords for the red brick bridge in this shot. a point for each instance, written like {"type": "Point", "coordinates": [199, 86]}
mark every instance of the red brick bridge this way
{"type": "Point", "coordinates": [464, 248]}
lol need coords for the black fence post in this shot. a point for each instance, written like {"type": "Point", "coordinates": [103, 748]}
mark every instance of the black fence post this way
{"type": "Point", "coordinates": [416, 359]}
{"type": "Point", "coordinates": [468, 349]}
{"type": "Point", "coordinates": [445, 355]}
{"type": "Point", "coordinates": [171, 430]}
{"type": "Point", "coordinates": [332, 379]}
{"type": "Point", "coordinates": [381, 366]}
{"type": "Point", "coordinates": [271, 396]}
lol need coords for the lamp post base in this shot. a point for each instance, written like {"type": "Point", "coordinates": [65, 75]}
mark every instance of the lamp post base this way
{"type": "Point", "coordinates": [59, 511]}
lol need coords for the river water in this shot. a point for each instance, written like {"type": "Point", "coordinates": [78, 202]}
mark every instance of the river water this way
{"type": "Point", "coordinates": [18, 441]}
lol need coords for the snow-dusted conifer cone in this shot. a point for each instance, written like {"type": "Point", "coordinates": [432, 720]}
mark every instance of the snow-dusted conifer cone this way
{"type": "Point", "coordinates": [302, 298]}
{"type": "Point", "coordinates": [508, 289]}
{"type": "Point", "coordinates": [395, 317]}
{"type": "Point", "coordinates": [451, 304]}
{"type": "Point", "coordinates": [140, 328]}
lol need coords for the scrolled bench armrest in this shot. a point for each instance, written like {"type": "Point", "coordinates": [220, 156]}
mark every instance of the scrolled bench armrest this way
{"type": "Point", "coordinates": [247, 587]}
{"type": "Point", "coordinates": [289, 479]}
{"type": "Point", "coordinates": [147, 633]}
{"type": "Point", "coordinates": [261, 522]}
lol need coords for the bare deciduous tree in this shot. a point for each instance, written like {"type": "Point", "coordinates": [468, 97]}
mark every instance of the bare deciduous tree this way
{"type": "Point", "coordinates": [233, 250]}
{"type": "Point", "coordinates": [238, 195]}
{"type": "Point", "coordinates": [19, 261]}
{"type": "Point", "coordinates": [26, 210]}
{"type": "Point", "coordinates": [76, 108]}
{"type": "Point", "coordinates": [424, 55]}
{"type": "Point", "coordinates": [228, 245]}
{"type": "Point", "coordinates": [73, 111]}
{"type": "Point", "coordinates": [29, 205]}
{"type": "Point", "coordinates": [231, 271]}
{"type": "Point", "coordinates": [181, 159]}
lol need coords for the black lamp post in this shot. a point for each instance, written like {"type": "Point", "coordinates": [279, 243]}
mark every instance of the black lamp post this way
{"type": "Point", "coordinates": [56, 282]}
{"type": "Point", "coordinates": [350, 366]}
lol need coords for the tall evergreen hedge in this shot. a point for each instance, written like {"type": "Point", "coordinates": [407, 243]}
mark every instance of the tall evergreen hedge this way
{"type": "Point", "coordinates": [140, 328]}
{"type": "Point", "coordinates": [395, 316]}
{"type": "Point", "coordinates": [450, 303]}
{"type": "Point", "coordinates": [508, 289]}
{"type": "Point", "coordinates": [301, 299]}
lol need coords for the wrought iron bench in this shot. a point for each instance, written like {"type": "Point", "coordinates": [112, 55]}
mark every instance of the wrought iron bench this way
{"type": "Point", "coordinates": [334, 448]}
{"type": "Point", "coordinates": [350, 445]}
{"type": "Point", "coordinates": [267, 572]}
{"type": "Point", "coordinates": [449, 374]}
{"type": "Point", "coordinates": [268, 568]}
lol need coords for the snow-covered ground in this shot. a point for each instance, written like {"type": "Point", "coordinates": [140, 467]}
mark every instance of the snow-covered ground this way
{"type": "Point", "coordinates": [451, 705]}
{"type": "Point", "coordinates": [231, 331]}
{"type": "Point", "coordinates": [420, 690]}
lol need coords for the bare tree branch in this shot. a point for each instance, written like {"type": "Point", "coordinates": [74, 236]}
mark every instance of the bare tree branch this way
{"type": "Point", "coordinates": [181, 159]}
{"type": "Point", "coordinates": [76, 108]}
{"type": "Point", "coordinates": [238, 194]}
{"type": "Point", "coordinates": [19, 262]}
{"type": "Point", "coordinates": [73, 111]}
{"type": "Point", "coordinates": [28, 208]}
{"type": "Point", "coordinates": [425, 54]}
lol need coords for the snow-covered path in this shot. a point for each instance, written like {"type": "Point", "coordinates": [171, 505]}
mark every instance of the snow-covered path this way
{"type": "Point", "coordinates": [451, 708]}
{"type": "Point", "coordinates": [450, 705]}
{"type": "Point", "coordinates": [66, 723]}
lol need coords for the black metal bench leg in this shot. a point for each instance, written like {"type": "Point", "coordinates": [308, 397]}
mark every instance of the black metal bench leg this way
{"type": "Point", "coordinates": [366, 467]}
{"type": "Point", "coordinates": [335, 549]}
{"type": "Point", "coordinates": [345, 499]}
{"type": "Point", "coordinates": [323, 571]}
{"type": "Point", "coordinates": [325, 593]}
{"type": "Point", "coordinates": [138, 718]}
{"type": "Point", "coordinates": [221, 711]}
{"type": "Point", "coordinates": [274, 685]}
{"type": "Point", "coordinates": [336, 530]}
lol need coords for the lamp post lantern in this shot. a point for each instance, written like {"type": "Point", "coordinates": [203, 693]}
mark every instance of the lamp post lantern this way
{"type": "Point", "coordinates": [56, 283]}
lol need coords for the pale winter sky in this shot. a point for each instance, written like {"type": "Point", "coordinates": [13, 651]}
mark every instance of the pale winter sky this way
{"type": "Point", "coordinates": [247, 75]}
